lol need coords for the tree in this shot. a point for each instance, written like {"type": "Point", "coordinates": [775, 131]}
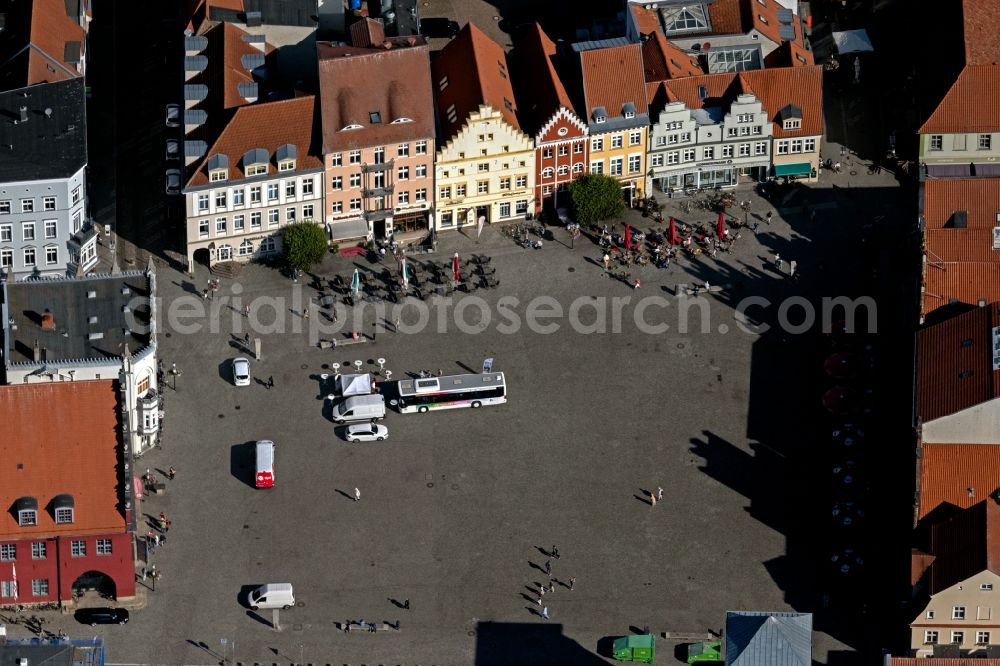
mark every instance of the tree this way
{"type": "Point", "coordinates": [595, 198]}
{"type": "Point", "coordinates": [305, 244]}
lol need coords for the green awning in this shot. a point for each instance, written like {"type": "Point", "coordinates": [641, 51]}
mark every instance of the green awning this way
{"type": "Point", "coordinates": [801, 169]}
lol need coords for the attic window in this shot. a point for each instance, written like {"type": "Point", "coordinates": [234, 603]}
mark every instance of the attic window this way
{"type": "Point", "coordinates": [375, 117]}
{"type": "Point", "coordinates": [443, 83]}
{"type": "Point", "coordinates": [27, 511]}
{"type": "Point", "coordinates": [286, 165]}
{"type": "Point", "coordinates": [754, 35]}
{"type": "Point", "coordinates": [503, 69]}
{"type": "Point", "coordinates": [64, 508]}
{"type": "Point", "coordinates": [508, 104]}
{"type": "Point", "coordinates": [400, 121]}
{"type": "Point", "coordinates": [600, 114]}
{"type": "Point", "coordinates": [792, 123]}
{"type": "Point", "coordinates": [255, 161]}
{"type": "Point", "coordinates": [352, 126]}
{"type": "Point", "coordinates": [702, 92]}
{"type": "Point", "coordinates": [762, 19]}
{"type": "Point", "coordinates": [216, 175]}
{"type": "Point", "coordinates": [628, 110]}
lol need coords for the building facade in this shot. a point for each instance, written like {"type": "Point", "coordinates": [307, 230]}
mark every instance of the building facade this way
{"type": "Point", "coordinates": [263, 173]}
{"type": "Point", "coordinates": [959, 139]}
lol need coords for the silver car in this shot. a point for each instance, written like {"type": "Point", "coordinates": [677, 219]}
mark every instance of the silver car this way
{"type": "Point", "coordinates": [241, 371]}
{"type": "Point", "coordinates": [366, 432]}
{"type": "Point", "coordinates": [173, 115]}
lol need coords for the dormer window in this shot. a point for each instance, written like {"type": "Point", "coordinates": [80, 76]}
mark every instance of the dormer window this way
{"type": "Point", "coordinates": [27, 511]}
{"type": "Point", "coordinates": [286, 165]}
{"type": "Point", "coordinates": [63, 507]}
{"type": "Point", "coordinates": [628, 110]}
{"type": "Point", "coordinates": [255, 162]}
{"type": "Point", "coordinates": [218, 168]}
{"type": "Point", "coordinates": [600, 114]}
{"type": "Point", "coordinates": [792, 123]}
{"type": "Point", "coordinates": [791, 117]}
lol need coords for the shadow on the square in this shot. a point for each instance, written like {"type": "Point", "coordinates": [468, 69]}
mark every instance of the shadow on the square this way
{"type": "Point", "coordinates": [529, 643]}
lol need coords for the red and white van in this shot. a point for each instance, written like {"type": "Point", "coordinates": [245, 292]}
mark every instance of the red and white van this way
{"type": "Point", "coordinates": [265, 464]}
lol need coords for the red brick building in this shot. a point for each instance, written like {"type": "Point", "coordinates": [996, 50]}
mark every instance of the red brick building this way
{"type": "Point", "coordinates": [65, 490]}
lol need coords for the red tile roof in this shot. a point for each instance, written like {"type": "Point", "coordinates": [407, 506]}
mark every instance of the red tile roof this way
{"type": "Point", "coordinates": [920, 562]}
{"type": "Point", "coordinates": [198, 11]}
{"type": "Point", "coordinates": [965, 545]}
{"type": "Point", "coordinates": [613, 77]}
{"type": "Point", "coordinates": [979, 197]}
{"type": "Point", "coordinates": [949, 246]}
{"type": "Point", "coordinates": [662, 60]}
{"type": "Point", "coordinates": [33, 44]}
{"type": "Point", "coordinates": [61, 438]}
{"type": "Point", "coordinates": [537, 83]}
{"type": "Point", "coordinates": [727, 17]}
{"type": "Point", "coordinates": [720, 90]}
{"type": "Point", "coordinates": [356, 82]}
{"type": "Point", "coordinates": [647, 21]}
{"type": "Point", "coordinates": [476, 69]}
{"type": "Point", "coordinates": [980, 18]}
{"type": "Point", "coordinates": [966, 283]}
{"type": "Point", "coordinates": [954, 369]}
{"type": "Point", "coordinates": [789, 54]}
{"type": "Point", "coordinates": [972, 104]}
{"type": "Point", "coordinates": [948, 471]}
{"type": "Point", "coordinates": [268, 126]}
{"type": "Point", "coordinates": [764, 17]}
{"type": "Point", "coordinates": [780, 87]}
{"type": "Point", "coordinates": [226, 47]}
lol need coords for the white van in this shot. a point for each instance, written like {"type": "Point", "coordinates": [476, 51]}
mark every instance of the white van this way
{"type": "Point", "coordinates": [272, 595]}
{"type": "Point", "coordinates": [360, 408]}
{"type": "Point", "coordinates": [265, 464]}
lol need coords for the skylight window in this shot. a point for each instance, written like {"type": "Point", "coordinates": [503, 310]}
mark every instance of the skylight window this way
{"type": "Point", "coordinates": [689, 18]}
{"type": "Point", "coordinates": [375, 117]}
{"type": "Point", "coordinates": [399, 121]}
{"type": "Point", "coordinates": [352, 126]}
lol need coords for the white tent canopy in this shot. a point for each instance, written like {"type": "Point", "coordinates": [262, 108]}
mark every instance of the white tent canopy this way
{"type": "Point", "coordinates": [852, 41]}
{"type": "Point", "coordinates": [348, 385]}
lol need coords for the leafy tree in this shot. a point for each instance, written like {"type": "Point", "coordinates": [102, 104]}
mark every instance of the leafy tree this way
{"type": "Point", "coordinates": [304, 244]}
{"type": "Point", "coordinates": [595, 198]}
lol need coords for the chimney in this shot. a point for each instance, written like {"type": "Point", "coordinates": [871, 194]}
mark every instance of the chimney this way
{"type": "Point", "coordinates": [387, 45]}
{"type": "Point", "coordinates": [48, 321]}
{"type": "Point", "coordinates": [24, 114]}
{"type": "Point", "coordinates": [36, 353]}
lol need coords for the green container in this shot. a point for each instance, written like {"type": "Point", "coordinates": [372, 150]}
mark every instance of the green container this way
{"type": "Point", "coordinates": [641, 649]}
{"type": "Point", "coordinates": [705, 653]}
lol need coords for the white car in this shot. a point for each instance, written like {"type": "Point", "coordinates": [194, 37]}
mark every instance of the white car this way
{"type": "Point", "coordinates": [241, 371]}
{"type": "Point", "coordinates": [173, 118]}
{"type": "Point", "coordinates": [366, 432]}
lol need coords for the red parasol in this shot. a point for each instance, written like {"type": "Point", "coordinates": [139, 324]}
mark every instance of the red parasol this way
{"type": "Point", "coordinates": [454, 266]}
{"type": "Point", "coordinates": [673, 232]}
{"type": "Point", "coordinates": [628, 237]}
{"type": "Point", "coordinates": [720, 226]}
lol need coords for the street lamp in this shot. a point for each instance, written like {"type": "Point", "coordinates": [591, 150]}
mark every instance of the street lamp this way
{"type": "Point", "coordinates": [381, 364]}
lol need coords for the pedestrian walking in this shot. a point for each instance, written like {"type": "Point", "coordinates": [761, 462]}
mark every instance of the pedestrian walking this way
{"type": "Point", "coordinates": [777, 262]}
{"type": "Point", "coordinates": [541, 590]}
{"type": "Point", "coordinates": [171, 473]}
{"type": "Point", "coordinates": [548, 567]}
{"type": "Point", "coordinates": [606, 259]}
{"type": "Point", "coordinates": [395, 325]}
{"type": "Point", "coordinates": [572, 583]}
{"type": "Point", "coordinates": [836, 167]}
{"type": "Point", "coordinates": [552, 586]}
{"type": "Point", "coordinates": [768, 217]}
{"type": "Point", "coordinates": [246, 310]}
{"type": "Point", "coordinates": [270, 381]}
{"type": "Point", "coordinates": [406, 604]}
{"type": "Point", "coordinates": [545, 613]}
{"type": "Point", "coordinates": [555, 552]}
{"type": "Point", "coordinates": [637, 284]}
{"type": "Point", "coordinates": [659, 492]}
{"type": "Point", "coordinates": [792, 265]}
{"type": "Point", "coordinates": [166, 526]}
{"type": "Point", "coordinates": [755, 227]}
{"type": "Point", "coordinates": [539, 600]}
{"type": "Point", "coordinates": [357, 495]}
{"type": "Point", "coordinates": [246, 340]}
{"type": "Point", "coordinates": [305, 313]}
{"type": "Point", "coordinates": [652, 499]}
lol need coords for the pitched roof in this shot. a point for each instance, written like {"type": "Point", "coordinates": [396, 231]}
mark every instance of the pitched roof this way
{"type": "Point", "coordinates": [920, 562]}
{"type": "Point", "coordinates": [726, 17]}
{"type": "Point", "coordinates": [756, 638]}
{"type": "Point", "coordinates": [964, 545]}
{"type": "Point", "coordinates": [476, 69]}
{"type": "Point", "coordinates": [780, 87]}
{"type": "Point", "coordinates": [979, 197]}
{"type": "Point", "coordinates": [613, 77]}
{"type": "Point", "coordinates": [789, 54]}
{"type": "Point", "coordinates": [72, 449]}
{"type": "Point", "coordinates": [267, 126]}
{"type": "Point", "coordinates": [662, 60]}
{"type": "Point", "coordinates": [972, 104]}
{"type": "Point", "coordinates": [34, 41]}
{"type": "Point", "coordinates": [53, 142]}
{"type": "Point", "coordinates": [227, 48]}
{"type": "Point", "coordinates": [537, 83]}
{"type": "Point", "coordinates": [647, 21]}
{"type": "Point", "coordinates": [765, 19]}
{"type": "Point", "coordinates": [954, 364]}
{"type": "Point", "coordinates": [980, 18]}
{"type": "Point", "coordinates": [198, 11]}
{"type": "Point", "coordinates": [393, 83]}
{"type": "Point", "coordinates": [949, 471]}
{"type": "Point", "coordinates": [719, 89]}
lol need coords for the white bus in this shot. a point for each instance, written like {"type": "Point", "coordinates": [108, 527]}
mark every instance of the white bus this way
{"type": "Point", "coordinates": [422, 395]}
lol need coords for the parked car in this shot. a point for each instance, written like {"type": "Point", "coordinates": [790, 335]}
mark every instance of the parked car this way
{"type": "Point", "coordinates": [366, 432]}
{"type": "Point", "coordinates": [173, 115]}
{"type": "Point", "coordinates": [438, 27]}
{"type": "Point", "coordinates": [241, 371]}
{"type": "Point", "coordinates": [173, 185]}
{"type": "Point", "coordinates": [95, 616]}
{"type": "Point", "coordinates": [173, 149]}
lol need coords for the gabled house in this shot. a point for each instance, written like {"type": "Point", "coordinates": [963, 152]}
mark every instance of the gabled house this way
{"type": "Point", "coordinates": [485, 166]}
{"type": "Point", "coordinates": [547, 114]}
{"type": "Point", "coordinates": [378, 137]}
{"type": "Point", "coordinates": [957, 583]}
{"type": "Point", "coordinates": [613, 100]}
{"type": "Point", "coordinates": [42, 41]}
{"type": "Point", "coordinates": [755, 638]}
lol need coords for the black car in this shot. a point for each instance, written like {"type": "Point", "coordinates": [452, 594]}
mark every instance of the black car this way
{"type": "Point", "coordinates": [438, 27]}
{"type": "Point", "coordinates": [94, 616]}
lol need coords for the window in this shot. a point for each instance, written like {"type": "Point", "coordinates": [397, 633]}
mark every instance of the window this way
{"type": "Point", "coordinates": [272, 191]}
{"type": "Point", "coordinates": [656, 160]}
{"type": "Point", "coordinates": [744, 118]}
{"type": "Point", "coordinates": [616, 166]}
{"type": "Point", "coordinates": [246, 248]}
{"type": "Point", "coordinates": [420, 195]}
{"type": "Point", "coordinates": [958, 613]}
{"type": "Point", "coordinates": [202, 202]}
{"type": "Point", "coordinates": [577, 147]}
{"type": "Point", "coordinates": [982, 638]}
{"type": "Point", "coordinates": [6, 257]}
{"type": "Point", "coordinates": [420, 171]}
{"type": "Point", "coordinates": [8, 552]}
{"type": "Point", "coordinates": [929, 615]}
{"type": "Point", "coordinates": [727, 151]}
{"type": "Point", "coordinates": [7, 588]}
{"type": "Point", "coordinates": [744, 131]}
{"type": "Point", "coordinates": [290, 190]}
{"type": "Point", "coordinates": [783, 147]}
{"type": "Point", "coordinates": [336, 159]}
{"type": "Point", "coordinates": [220, 225]}
{"type": "Point", "coordinates": [403, 150]}
{"type": "Point", "coordinates": [483, 167]}
{"type": "Point", "coordinates": [546, 153]}
{"type": "Point", "coordinates": [445, 193]}
{"type": "Point", "coordinates": [51, 255]}
{"type": "Point", "coordinates": [379, 155]}
{"type": "Point", "coordinates": [355, 205]}
{"type": "Point", "coordinates": [255, 194]}
{"type": "Point", "coordinates": [27, 517]}
{"type": "Point", "coordinates": [563, 149]}
{"type": "Point", "coordinates": [49, 203]}
{"type": "Point", "coordinates": [796, 146]}
{"type": "Point", "coordinates": [483, 187]}
{"type": "Point", "coordinates": [634, 163]}
{"type": "Point", "coordinates": [505, 183]}
{"type": "Point", "coordinates": [203, 228]}
{"type": "Point", "coordinates": [578, 167]}
{"type": "Point", "coordinates": [355, 180]}
{"type": "Point", "coordinates": [930, 637]}
{"type": "Point", "coordinates": [50, 228]}
{"type": "Point", "coordinates": [403, 198]}
{"type": "Point", "coordinates": [217, 175]}
{"type": "Point", "coordinates": [290, 215]}
{"type": "Point", "coordinates": [307, 212]}
{"type": "Point", "coordinates": [307, 187]}
{"type": "Point", "coordinates": [673, 157]}
{"type": "Point", "coordinates": [237, 197]}
{"type": "Point", "coordinates": [40, 587]}
{"type": "Point", "coordinates": [597, 166]}
{"type": "Point", "coordinates": [809, 145]}
{"type": "Point", "coordinates": [564, 168]}
{"type": "Point", "coordinates": [267, 245]}
{"type": "Point", "coordinates": [337, 207]}
{"type": "Point", "coordinates": [103, 547]}
{"type": "Point", "coordinates": [634, 138]}
{"type": "Point", "coordinates": [78, 548]}
{"type": "Point", "coordinates": [547, 189]}
{"type": "Point", "coordinates": [792, 124]}
{"type": "Point", "coordinates": [5, 207]}
{"type": "Point", "coordinates": [673, 138]}
{"type": "Point", "coordinates": [548, 171]}
{"type": "Point", "coordinates": [255, 220]}
{"type": "Point", "coordinates": [684, 19]}
{"type": "Point", "coordinates": [238, 223]}
{"type": "Point", "coordinates": [520, 182]}
{"type": "Point", "coordinates": [661, 141]}
{"type": "Point", "coordinates": [403, 173]}
{"type": "Point", "coordinates": [354, 157]}
{"type": "Point", "coordinates": [220, 199]}
{"type": "Point", "coordinates": [39, 550]}
{"type": "Point", "coordinates": [256, 169]}
{"type": "Point", "coordinates": [286, 165]}
{"type": "Point", "coordinates": [337, 183]}
{"type": "Point", "coordinates": [597, 143]}
{"type": "Point", "coordinates": [505, 209]}
{"type": "Point", "coordinates": [273, 217]}
{"type": "Point", "coordinates": [76, 195]}
{"type": "Point", "coordinates": [27, 205]}
{"type": "Point", "coordinates": [521, 207]}
{"type": "Point", "coordinates": [708, 153]}
{"type": "Point", "coordinates": [460, 190]}
{"type": "Point", "coordinates": [760, 148]}
{"type": "Point", "coordinates": [958, 637]}
{"type": "Point", "coordinates": [688, 155]}
{"type": "Point", "coordinates": [983, 587]}
{"type": "Point", "coordinates": [744, 149]}
{"type": "Point", "coordinates": [77, 221]}
{"type": "Point", "coordinates": [420, 148]}
{"type": "Point", "coordinates": [29, 256]}
{"type": "Point", "coordinates": [6, 233]}
{"type": "Point", "coordinates": [616, 141]}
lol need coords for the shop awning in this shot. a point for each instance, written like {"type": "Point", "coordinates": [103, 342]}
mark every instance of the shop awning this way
{"type": "Point", "coordinates": [348, 229]}
{"type": "Point", "coordinates": [799, 169]}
